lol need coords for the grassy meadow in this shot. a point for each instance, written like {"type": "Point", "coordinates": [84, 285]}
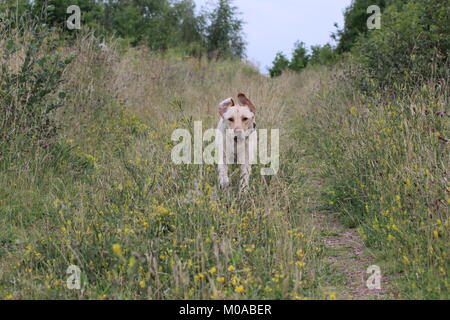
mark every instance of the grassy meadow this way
{"type": "Point", "coordinates": [103, 194]}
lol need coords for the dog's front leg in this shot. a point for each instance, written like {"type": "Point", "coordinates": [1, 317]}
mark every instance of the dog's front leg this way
{"type": "Point", "coordinates": [224, 182]}
{"type": "Point", "coordinates": [244, 177]}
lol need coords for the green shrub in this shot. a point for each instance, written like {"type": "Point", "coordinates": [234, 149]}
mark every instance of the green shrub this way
{"type": "Point", "coordinates": [280, 64]}
{"type": "Point", "coordinates": [355, 23]}
{"type": "Point", "coordinates": [412, 46]}
{"type": "Point", "coordinates": [31, 70]}
{"type": "Point", "coordinates": [300, 57]}
{"type": "Point", "coordinates": [323, 55]}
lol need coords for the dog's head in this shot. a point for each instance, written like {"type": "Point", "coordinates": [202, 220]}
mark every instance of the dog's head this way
{"type": "Point", "coordinates": [241, 117]}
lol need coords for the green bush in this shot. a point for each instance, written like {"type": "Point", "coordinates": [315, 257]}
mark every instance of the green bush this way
{"type": "Point", "coordinates": [412, 46]}
{"type": "Point", "coordinates": [31, 70]}
{"type": "Point", "coordinates": [280, 64]}
{"type": "Point", "coordinates": [300, 57]}
{"type": "Point", "coordinates": [323, 55]}
{"type": "Point", "coordinates": [355, 23]}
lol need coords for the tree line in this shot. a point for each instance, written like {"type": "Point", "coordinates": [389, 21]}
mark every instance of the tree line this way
{"type": "Point", "coordinates": [158, 24]}
{"type": "Point", "coordinates": [412, 44]}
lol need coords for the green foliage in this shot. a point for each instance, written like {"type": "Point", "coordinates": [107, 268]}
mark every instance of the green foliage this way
{"type": "Point", "coordinates": [158, 24]}
{"type": "Point", "coordinates": [189, 26]}
{"type": "Point", "coordinates": [30, 73]}
{"type": "Point", "coordinates": [9, 9]}
{"type": "Point", "coordinates": [323, 55]}
{"type": "Point", "coordinates": [224, 33]}
{"type": "Point", "coordinates": [412, 46]}
{"type": "Point", "coordinates": [386, 162]}
{"type": "Point", "coordinates": [280, 64]}
{"type": "Point", "coordinates": [54, 12]}
{"type": "Point", "coordinates": [386, 148]}
{"type": "Point", "coordinates": [143, 22]}
{"type": "Point", "coordinates": [355, 23]}
{"type": "Point", "coordinates": [15, 6]}
{"type": "Point", "coordinates": [300, 57]}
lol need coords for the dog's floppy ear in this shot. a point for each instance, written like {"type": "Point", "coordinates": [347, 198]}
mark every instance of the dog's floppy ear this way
{"type": "Point", "coordinates": [224, 105]}
{"type": "Point", "coordinates": [244, 101]}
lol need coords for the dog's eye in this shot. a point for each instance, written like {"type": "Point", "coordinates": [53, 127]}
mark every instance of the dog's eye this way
{"type": "Point", "coordinates": [231, 119]}
{"type": "Point", "coordinates": [244, 119]}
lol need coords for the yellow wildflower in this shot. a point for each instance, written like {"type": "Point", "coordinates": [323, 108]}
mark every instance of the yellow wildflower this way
{"type": "Point", "coordinates": [117, 249]}
{"type": "Point", "coordinates": [213, 270]}
{"type": "Point", "coordinates": [131, 262]}
{"type": "Point", "coordinates": [239, 289]}
{"type": "Point", "coordinates": [331, 295]}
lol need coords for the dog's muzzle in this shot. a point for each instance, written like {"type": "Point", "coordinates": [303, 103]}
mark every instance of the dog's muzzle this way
{"type": "Point", "coordinates": [243, 134]}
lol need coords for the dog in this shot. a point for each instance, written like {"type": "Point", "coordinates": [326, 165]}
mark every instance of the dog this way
{"type": "Point", "coordinates": [236, 140]}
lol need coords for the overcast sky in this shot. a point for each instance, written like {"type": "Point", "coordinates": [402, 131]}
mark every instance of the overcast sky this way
{"type": "Point", "coordinates": [275, 25]}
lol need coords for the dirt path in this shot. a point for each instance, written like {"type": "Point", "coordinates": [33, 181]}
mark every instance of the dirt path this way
{"type": "Point", "coordinates": [346, 252]}
{"type": "Point", "coordinates": [346, 256]}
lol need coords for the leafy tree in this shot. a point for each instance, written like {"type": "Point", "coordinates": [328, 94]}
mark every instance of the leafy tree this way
{"type": "Point", "coordinates": [300, 57]}
{"type": "Point", "coordinates": [322, 55]}
{"type": "Point", "coordinates": [355, 23]}
{"type": "Point", "coordinates": [224, 32]}
{"type": "Point", "coordinates": [280, 64]}
{"type": "Point", "coordinates": [159, 24]}
{"type": "Point", "coordinates": [125, 20]}
{"type": "Point", "coordinates": [188, 25]}
{"type": "Point", "coordinates": [54, 12]}
{"type": "Point", "coordinates": [412, 46]}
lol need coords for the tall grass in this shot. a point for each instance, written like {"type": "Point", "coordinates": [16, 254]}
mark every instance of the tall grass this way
{"type": "Point", "coordinates": [386, 159]}
{"type": "Point", "coordinates": [105, 195]}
